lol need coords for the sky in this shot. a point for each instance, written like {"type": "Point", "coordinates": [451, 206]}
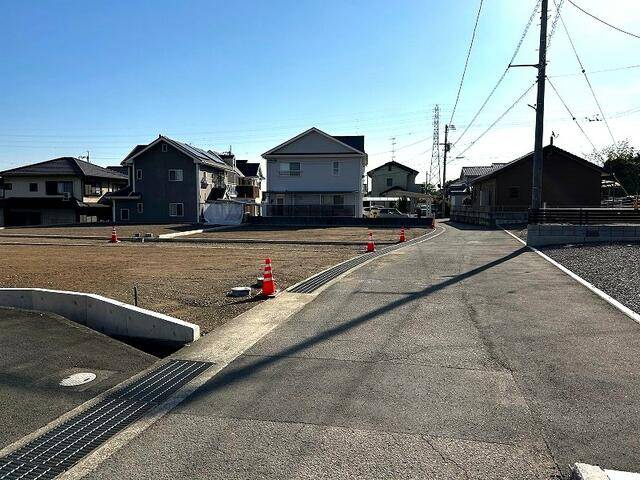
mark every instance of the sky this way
{"type": "Point", "coordinates": [104, 76]}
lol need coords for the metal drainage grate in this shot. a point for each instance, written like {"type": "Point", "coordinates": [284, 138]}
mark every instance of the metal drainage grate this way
{"type": "Point", "coordinates": [61, 448]}
{"type": "Point", "coordinates": [317, 281]}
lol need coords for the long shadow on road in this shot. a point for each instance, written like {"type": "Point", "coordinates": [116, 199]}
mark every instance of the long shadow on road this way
{"type": "Point", "coordinates": [231, 375]}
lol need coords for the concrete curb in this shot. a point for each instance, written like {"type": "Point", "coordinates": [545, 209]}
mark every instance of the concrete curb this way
{"type": "Point", "coordinates": [583, 471]}
{"type": "Point", "coordinates": [111, 317]}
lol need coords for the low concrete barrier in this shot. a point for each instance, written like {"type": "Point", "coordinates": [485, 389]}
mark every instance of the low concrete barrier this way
{"type": "Point", "coordinates": [341, 221]}
{"type": "Point", "coordinates": [111, 317]}
{"type": "Point", "coordinates": [549, 234]}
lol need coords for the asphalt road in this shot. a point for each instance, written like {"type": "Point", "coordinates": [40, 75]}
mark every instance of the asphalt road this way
{"type": "Point", "coordinates": [463, 357]}
{"type": "Point", "coordinates": [37, 351]}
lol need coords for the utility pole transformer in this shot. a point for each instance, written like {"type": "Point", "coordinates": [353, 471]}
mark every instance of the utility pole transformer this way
{"type": "Point", "coordinates": [536, 179]}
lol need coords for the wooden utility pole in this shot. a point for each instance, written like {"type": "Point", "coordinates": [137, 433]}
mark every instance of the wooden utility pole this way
{"type": "Point", "coordinates": [536, 179]}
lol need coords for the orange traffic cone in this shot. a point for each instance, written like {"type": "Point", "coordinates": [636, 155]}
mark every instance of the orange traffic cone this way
{"type": "Point", "coordinates": [402, 237]}
{"type": "Point", "coordinates": [268, 284]}
{"type": "Point", "coordinates": [114, 236]}
{"type": "Point", "coordinates": [371, 247]}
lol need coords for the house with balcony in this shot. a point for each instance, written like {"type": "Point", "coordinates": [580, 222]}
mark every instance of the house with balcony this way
{"type": "Point", "coordinates": [249, 189]}
{"type": "Point", "coordinates": [315, 174]}
{"type": "Point", "coordinates": [63, 190]}
{"type": "Point", "coordinates": [172, 182]}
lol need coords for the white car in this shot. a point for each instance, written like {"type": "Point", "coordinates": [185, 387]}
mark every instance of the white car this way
{"type": "Point", "coordinates": [392, 213]}
{"type": "Point", "coordinates": [371, 212]}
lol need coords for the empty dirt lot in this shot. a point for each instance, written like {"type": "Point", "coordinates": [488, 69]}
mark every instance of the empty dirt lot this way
{"type": "Point", "coordinates": [309, 234]}
{"type": "Point", "coordinates": [186, 281]}
{"type": "Point", "coordinates": [102, 231]}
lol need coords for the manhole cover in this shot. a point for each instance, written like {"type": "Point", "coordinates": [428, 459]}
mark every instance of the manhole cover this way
{"type": "Point", "coordinates": [78, 379]}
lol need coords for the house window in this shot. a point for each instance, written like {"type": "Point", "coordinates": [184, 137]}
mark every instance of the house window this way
{"type": "Point", "coordinates": [33, 187]}
{"type": "Point", "coordinates": [389, 167]}
{"type": "Point", "coordinates": [58, 188]}
{"type": "Point", "coordinates": [175, 175]}
{"type": "Point", "coordinates": [338, 199]}
{"type": "Point", "coordinates": [124, 214]}
{"type": "Point", "coordinates": [336, 168]}
{"type": "Point", "coordinates": [139, 174]}
{"type": "Point", "coordinates": [140, 208]}
{"type": "Point", "coordinates": [291, 169]}
{"type": "Point", "coordinates": [8, 186]}
{"type": "Point", "coordinates": [514, 192]}
{"type": "Point", "coordinates": [165, 147]}
{"type": "Point", "coordinates": [176, 209]}
{"type": "Point", "coordinates": [389, 182]}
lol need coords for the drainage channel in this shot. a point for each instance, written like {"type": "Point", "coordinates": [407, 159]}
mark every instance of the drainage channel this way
{"type": "Point", "coordinates": [312, 284]}
{"type": "Point", "coordinates": [61, 448]}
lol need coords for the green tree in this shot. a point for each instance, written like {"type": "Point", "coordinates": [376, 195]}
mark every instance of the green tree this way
{"type": "Point", "coordinates": [623, 161]}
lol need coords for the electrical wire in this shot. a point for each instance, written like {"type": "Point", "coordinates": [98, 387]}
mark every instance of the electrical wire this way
{"type": "Point", "coordinates": [466, 62]}
{"type": "Point", "coordinates": [606, 70]}
{"type": "Point", "coordinates": [573, 117]}
{"type": "Point", "coordinates": [602, 21]}
{"type": "Point", "coordinates": [496, 121]}
{"type": "Point", "coordinates": [502, 77]}
{"type": "Point", "coordinates": [586, 77]}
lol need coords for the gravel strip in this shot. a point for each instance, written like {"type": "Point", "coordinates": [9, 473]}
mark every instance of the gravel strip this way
{"type": "Point", "coordinates": [612, 267]}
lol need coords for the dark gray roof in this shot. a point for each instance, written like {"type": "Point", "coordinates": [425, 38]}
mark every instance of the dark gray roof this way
{"type": "Point", "coordinates": [65, 166]}
{"type": "Point", "coordinates": [248, 169]}
{"type": "Point", "coordinates": [119, 169]}
{"type": "Point", "coordinates": [354, 141]}
{"type": "Point", "coordinates": [395, 164]}
{"type": "Point", "coordinates": [477, 171]}
{"type": "Point", "coordinates": [546, 151]}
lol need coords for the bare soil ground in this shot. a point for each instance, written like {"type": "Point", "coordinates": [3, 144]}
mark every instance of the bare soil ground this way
{"type": "Point", "coordinates": [98, 230]}
{"type": "Point", "coordinates": [357, 234]}
{"type": "Point", "coordinates": [185, 281]}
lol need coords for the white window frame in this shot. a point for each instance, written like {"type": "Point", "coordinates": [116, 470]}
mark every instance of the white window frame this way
{"type": "Point", "coordinates": [335, 168]}
{"type": "Point", "coordinates": [175, 212]}
{"type": "Point", "coordinates": [139, 174]}
{"type": "Point", "coordinates": [122, 210]}
{"type": "Point", "coordinates": [178, 173]}
{"type": "Point", "coordinates": [140, 207]}
{"type": "Point", "coordinates": [288, 172]}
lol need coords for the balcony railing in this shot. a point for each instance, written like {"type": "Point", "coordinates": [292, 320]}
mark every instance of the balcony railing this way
{"type": "Point", "coordinates": [310, 210]}
{"type": "Point", "coordinates": [247, 191]}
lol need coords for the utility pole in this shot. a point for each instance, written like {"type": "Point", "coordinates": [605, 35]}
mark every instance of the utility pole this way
{"type": "Point", "coordinates": [444, 160]}
{"type": "Point", "coordinates": [393, 149]}
{"type": "Point", "coordinates": [536, 179]}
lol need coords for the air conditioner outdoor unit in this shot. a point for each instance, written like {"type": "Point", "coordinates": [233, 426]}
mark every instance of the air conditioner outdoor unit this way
{"type": "Point", "coordinates": [66, 196]}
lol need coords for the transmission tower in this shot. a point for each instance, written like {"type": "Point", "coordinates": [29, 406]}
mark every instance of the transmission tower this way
{"type": "Point", "coordinates": [433, 173]}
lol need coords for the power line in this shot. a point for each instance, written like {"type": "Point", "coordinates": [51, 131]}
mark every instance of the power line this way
{"type": "Point", "coordinates": [605, 70]}
{"type": "Point", "coordinates": [573, 117]}
{"type": "Point", "coordinates": [504, 74]}
{"type": "Point", "coordinates": [497, 120]}
{"type": "Point", "coordinates": [602, 21]}
{"type": "Point", "coordinates": [466, 63]}
{"type": "Point", "coordinates": [586, 77]}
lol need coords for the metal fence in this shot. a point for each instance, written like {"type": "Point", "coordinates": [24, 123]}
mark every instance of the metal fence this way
{"type": "Point", "coordinates": [584, 216]}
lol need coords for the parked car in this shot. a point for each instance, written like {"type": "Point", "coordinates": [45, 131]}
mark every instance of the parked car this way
{"type": "Point", "coordinates": [391, 213]}
{"type": "Point", "coordinates": [371, 212]}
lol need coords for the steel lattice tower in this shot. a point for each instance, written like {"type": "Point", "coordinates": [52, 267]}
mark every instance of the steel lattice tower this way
{"type": "Point", "coordinates": [433, 176]}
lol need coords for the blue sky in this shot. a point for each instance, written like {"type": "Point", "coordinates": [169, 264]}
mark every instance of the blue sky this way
{"type": "Point", "coordinates": [105, 76]}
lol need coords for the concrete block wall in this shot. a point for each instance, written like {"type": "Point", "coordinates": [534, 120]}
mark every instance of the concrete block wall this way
{"type": "Point", "coordinates": [113, 318]}
{"type": "Point", "coordinates": [540, 235]}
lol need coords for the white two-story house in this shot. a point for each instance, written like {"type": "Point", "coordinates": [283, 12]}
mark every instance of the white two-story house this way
{"type": "Point", "coordinates": [315, 174]}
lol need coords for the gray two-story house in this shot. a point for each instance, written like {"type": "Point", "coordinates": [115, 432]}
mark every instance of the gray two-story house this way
{"type": "Point", "coordinates": [315, 174]}
{"type": "Point", "coordinates": [392, 175]}
{"type": "Point", "coordinates": [63, 190]}
{"type": "Point", "coordinates": [171, 181]}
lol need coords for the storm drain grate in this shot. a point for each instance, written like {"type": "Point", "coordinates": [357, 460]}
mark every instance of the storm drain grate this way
{"type": "Point", "coordinates": [61, 448]}
{"type": "Point", "coordinates": [317, 281]}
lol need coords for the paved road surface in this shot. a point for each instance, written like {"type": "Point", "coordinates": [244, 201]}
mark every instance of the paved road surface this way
{"type": "Point", "coordinates": [37, 351]}
{"type": "Point", "coordinates": [463, 357]}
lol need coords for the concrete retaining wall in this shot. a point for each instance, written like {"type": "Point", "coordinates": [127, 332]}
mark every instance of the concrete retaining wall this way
{"type": "Point", "coordinates": [486, 217]}
{"type": "Point", "coordinates": [342, 221]}
{"type": "Point", "coordinates": [105, 315]}
{"type": "Point", "coordinates": [540, 235]}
